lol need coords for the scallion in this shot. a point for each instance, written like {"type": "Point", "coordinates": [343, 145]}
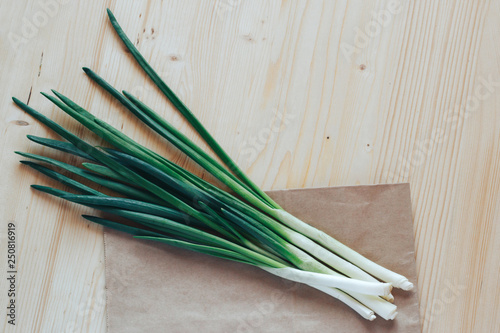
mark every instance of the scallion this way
{"type": "Point", "coordinates": [169, 204]}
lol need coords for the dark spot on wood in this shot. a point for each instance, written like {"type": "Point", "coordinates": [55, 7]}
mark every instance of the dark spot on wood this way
{"type": "Point", "coordinates": [21, 123]}
{"type": "Point", "coordinates": [173, 57]}
{"type": "Point", "coordinates": [144, 30]}
{"type": "Point", "coordinates": [29, 96]}
{"type": "Point", "coordinates": [362, 67]}
{"type": "Point", "coordinates": [248, 38]}
{"type": "Point", "coordinates": [140, 15]}
{"type": "Point", "coordinates": [40, 66]}
{"type": "Point", "coordinates": [152, 31]}
{"type": "Point", "coordinates": [368, 145]}
{"type": "Point", "coordinates": [328, 138]}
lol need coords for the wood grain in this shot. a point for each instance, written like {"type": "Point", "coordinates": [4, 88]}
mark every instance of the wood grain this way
{"type": "Point", "coordinates": [299, 99]}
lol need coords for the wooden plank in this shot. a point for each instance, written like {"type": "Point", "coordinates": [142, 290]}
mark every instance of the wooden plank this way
{"type": "Point", "coordinates": [316, 93]}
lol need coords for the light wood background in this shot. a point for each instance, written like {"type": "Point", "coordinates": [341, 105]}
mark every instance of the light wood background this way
{"type": "Point", "coordinates": [416, 100]}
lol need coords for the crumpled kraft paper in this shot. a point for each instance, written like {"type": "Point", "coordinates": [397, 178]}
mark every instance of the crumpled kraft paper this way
{"type": "Point", "coordinates": [153, 287]}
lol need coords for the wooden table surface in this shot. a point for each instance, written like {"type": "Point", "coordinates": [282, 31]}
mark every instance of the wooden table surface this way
{"type": "Point", "coordinates": [301, 94]}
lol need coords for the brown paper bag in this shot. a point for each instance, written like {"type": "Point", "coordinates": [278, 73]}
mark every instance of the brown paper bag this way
{"type": "Point", "coordinates": [152, 287]}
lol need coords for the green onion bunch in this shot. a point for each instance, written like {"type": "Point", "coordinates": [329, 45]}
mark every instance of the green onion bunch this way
{"type": "Point", "coordinates": [166, 203]}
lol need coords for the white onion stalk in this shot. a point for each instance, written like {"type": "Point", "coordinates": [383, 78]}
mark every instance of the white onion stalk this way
{"type": "Point", "coordinates": [328, 257]}
{"type": "Point", "coordinates": [362, 310]}
{"type": "Point", "coordinates": [326, 280]}
{"type": "Point", "coordinates": [388, 298]}
{"type": "Point", "coordinates": [384, 309]}
{"type": "Point", "coordinates": [329, 284]}
{"type": "Point", "coordinates": [397, 280]}
{"type": "Point", "coordinates": [306, 262]}
{"type": "Point", "coordinates": [314, 249]}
